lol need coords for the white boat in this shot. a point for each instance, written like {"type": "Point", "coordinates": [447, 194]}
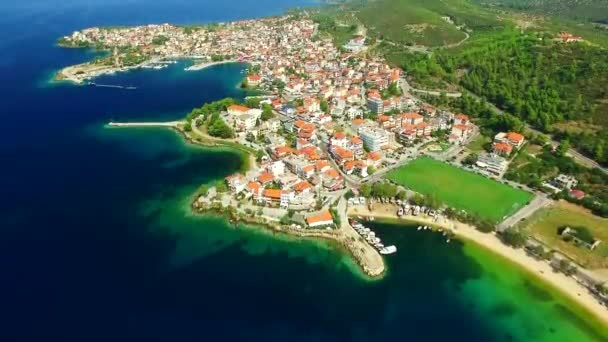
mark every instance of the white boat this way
{"type": "Point", "coordinates": [426, 227]}
{"type": "Point", "coordinates": [400, 212]}
{"type": "Point", "coordinates": [448, 240]}
{"type": "Point", "coordinates": [388, 250]}
{"type": "Point", "coordinates": [419, 228]}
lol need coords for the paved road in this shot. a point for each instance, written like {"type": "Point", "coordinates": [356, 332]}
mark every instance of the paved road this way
{"type": "Point", "coordinates": [539, 202]}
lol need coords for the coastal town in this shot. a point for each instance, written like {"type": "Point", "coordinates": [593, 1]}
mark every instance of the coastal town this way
{"type": "Point", "coordinates": [330, 135]}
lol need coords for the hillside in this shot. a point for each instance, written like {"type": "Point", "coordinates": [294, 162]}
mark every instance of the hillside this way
{"type": "Point", "coordinates": [589, 10]}
{"type": "Point", "coordinates": [508, 57]}
{"type": "Point", "coordinates": [431, 23]}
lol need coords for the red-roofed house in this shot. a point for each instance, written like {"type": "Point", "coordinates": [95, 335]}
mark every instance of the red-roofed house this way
{"type": "Point", "coordinates": [461, 119]}
{"type": "Point", "coordinates": [321, 219]}
{"type": "Point", "coordinates": [238, 110]}
{"type": "Point", "coordinates": [265, 178]}
{"type": "Point", "coordinates": [254, 80]}
{"type": "Point", "coordinates": [338, 139]}
{"type": "Point", "coordinates": [374, 159]}
{"type": "Point", "coordinates": [342, 155]}
{"type": "Point", "coordinates": [577, 194]}
{"type": "Point", "coordinates": [503, 149]}
{"type": "Point", "coordinates": [411, 118]}
{"type": "Point", "coordinates": [511, 138]}
{"type": "Point", "coordinates": [302, 187]}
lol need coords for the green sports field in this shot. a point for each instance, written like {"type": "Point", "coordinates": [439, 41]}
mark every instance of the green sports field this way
{"type": "Point", "coordinates": [461, 189]}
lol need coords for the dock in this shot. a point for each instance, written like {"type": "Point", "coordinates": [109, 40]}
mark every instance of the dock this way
{"type": "Point", "coordinates": [93, 84]}
{"type": "Point", "coordinates": [170, 124]}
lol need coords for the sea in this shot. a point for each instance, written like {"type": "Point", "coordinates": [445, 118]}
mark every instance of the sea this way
{"type": "Point", "coordinates": [97, 241]}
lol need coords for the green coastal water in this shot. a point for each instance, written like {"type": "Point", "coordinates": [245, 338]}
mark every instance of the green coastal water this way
{"type": "Point", "coordinates": [428, 282]}
{"type": "Point", "coordinates": [98, 242]}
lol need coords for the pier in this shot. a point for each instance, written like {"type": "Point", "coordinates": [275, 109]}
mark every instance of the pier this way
{"type": "Point", "coordinates": [93, 84]}
{"type": "Point", "coordinates": [170, 124]}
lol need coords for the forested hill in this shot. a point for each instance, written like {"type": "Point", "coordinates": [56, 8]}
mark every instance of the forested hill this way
{"type": "Point", "coordinates": [543, 82]}
{"type": "Point", "coordinates": [591, 10]}
{"type": "Point", "coordinates": [546, 83]}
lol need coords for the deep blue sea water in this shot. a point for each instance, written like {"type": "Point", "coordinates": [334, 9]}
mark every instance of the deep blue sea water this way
{"type": "Point", "coordinates": [97, 242]}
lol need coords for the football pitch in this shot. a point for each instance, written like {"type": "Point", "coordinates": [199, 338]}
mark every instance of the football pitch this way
{"type": "Point", "coordinates": [460, 189]}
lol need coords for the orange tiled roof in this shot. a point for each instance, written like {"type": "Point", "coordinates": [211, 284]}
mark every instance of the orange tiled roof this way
{"type": "Point", "coordinates": [272, 193]}
{"type": "Point", "coordinates": [515, 136]}
{"type": "Point", "coordinates": [253, 186]}
{"type": "Point", "coordinates": [265, 178]}
{"type": "Point", "coordinates": [301, 186]}
{"type": "Point", "coordinates": [502, 147]}
{"type": "Point", "coordinates": [238, 108]}
{"type": "Point", "coordinates": [374, 156]}
{"type": "Point", "coordinates": [322, 217]}
{"type": "Point", "coordinates": [462, 117]}
{"type": "Point", "coordinates": [339, 135]}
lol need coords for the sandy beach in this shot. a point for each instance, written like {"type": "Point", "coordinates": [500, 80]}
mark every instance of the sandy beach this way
{"type": "Point", "coordinates": [542, 269]}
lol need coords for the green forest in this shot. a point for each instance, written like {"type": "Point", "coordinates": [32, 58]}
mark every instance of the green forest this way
{"type": "Point", "coordinates": [538, 80]}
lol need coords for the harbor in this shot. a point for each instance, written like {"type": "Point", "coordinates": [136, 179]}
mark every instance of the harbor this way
{"type": "Point", "coordinates": [370, 236]}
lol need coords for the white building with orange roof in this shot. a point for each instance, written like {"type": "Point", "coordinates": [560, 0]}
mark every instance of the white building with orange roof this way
{"type": "Point", "coordinates": [339, 139]}
{"type": "Point", "coordinates": [461, 119]}
{"type": "Point", "coordinates": [460, 133]}
{"type": "Point", "coordinates": [341, 155]}
{"type": "Point", "coordinates": [512, 138]}
{"type": "Point", "coordinates": [320, 219]}
{"type": "Point", "coordinates": [411, 118]}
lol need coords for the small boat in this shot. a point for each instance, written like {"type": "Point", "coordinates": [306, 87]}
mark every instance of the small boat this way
{"type": "Point", "coordinates": [388, 250]}
{"type": "Point", "coordinates": [400, 212]}
{"type": "Point", "coordinates": [448, 240]}
{"type": "Point", "coordinates": [426, 227]}
{"type": "Point", "coordinates": [419, 228]}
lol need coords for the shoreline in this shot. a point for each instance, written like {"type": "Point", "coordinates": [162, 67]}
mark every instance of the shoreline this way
{"type": "Point", "coordinates": [79, 74]}
{"type": "Point", "coordinates": [340, 236]}
{"type": "Point", "coordinates": [369, 261]}
{"type": "Point", "coordinates": [558, 281]}
{"type": "Point", "coordinates": [205, 65]}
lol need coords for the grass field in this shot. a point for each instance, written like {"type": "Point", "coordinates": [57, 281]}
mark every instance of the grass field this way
{"type": "Point", "coordinates": [543, 226]}
{"type": "Point", "coordinates": [460, 189]}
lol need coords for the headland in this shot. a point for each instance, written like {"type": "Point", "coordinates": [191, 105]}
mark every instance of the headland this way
{"type": "Point", "coordinates": [335, 123]}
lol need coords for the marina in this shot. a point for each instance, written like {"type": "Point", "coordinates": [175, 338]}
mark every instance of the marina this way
{"type": "Point", "coordinates": [370, 236]}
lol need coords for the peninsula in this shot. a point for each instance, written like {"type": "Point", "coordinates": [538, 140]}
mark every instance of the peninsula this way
{"type": "Point", "coordinates": [338, 133]}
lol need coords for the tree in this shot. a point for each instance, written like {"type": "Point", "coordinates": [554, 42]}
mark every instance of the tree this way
{"type": "Point", "coordinates": [471, 159]}
{"type": "Point", "coordinates": [285, 220]}
{"type": "Point", "coordinates": [159, 40]}
{"type": "Point", "coordinates": [366, 190]}
{"type": "Point", "coordinates": [259, 154]}
{"type": "Point", "coordinates": [324, 106]}
{"type": "Point", "coordinates": [371, 170]}
{"type": "Point", "coordinates": [514, 237]}
{"type": "Point", "coordinates": [267, 113]}
{"type": "Point", "coordinates": [563, 148]}
{"type": "Point", "coordinates": [220, 186]}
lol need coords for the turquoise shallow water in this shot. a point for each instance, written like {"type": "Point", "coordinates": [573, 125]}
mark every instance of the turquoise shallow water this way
{"type": "Point", "coordinates": [97, 242]}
